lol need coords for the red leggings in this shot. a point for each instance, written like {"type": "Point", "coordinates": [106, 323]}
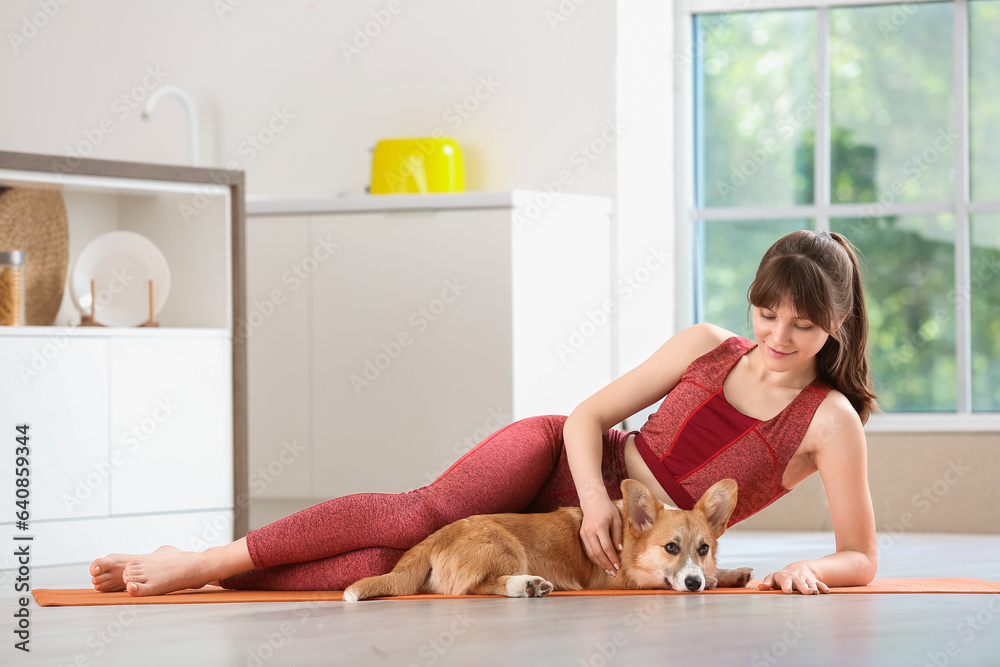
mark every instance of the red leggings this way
{"type": "Point", "coordinates": [520, 468]}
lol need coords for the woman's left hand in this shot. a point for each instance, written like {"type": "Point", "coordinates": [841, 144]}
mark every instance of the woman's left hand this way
{"type": "Point", "coordinates": [795, 577]}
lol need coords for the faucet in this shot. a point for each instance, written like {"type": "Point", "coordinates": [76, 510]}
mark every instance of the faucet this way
{"type": "Point", "coordinates": [188, 106]}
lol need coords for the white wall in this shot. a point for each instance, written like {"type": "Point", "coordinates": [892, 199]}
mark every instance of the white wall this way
{"type": "Point", "coordinates": [646, 253]}
{"type": "Point", "coordinates": [552, 91]}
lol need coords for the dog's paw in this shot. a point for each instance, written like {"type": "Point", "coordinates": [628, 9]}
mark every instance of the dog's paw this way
{"type": "Point", "coordinates": [737, 578]}
{"type": "Point", "coordinates": [527, 586]}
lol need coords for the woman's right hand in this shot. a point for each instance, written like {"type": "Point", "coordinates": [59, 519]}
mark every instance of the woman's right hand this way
{"type": "Point", "coordinates": [601, 533]}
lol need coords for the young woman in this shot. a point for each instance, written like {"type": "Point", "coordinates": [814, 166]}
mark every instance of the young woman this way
{"type": "Point", "coordinates": [767, 414]}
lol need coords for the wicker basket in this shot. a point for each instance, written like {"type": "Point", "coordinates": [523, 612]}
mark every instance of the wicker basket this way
{"type": "Point", "coordinates": [34, 220]}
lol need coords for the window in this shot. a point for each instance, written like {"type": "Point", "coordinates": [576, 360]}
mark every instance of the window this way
{"type": "Point", "coordinates": [881, 122]}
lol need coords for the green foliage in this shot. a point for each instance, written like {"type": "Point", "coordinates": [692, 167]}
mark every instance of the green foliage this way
{"type": "Point", "coordinates": [984, 297]}
{"type": "Point", "coordinates": [984, 94]}
{"type": "Point", "coordinates": [852, 167]}
{"type": "Point", "coordinates": [891, 109]}
{"type": "Point", "coordinates": [758, 88]}
{"type": "Point", "coordinates": [909, 278]}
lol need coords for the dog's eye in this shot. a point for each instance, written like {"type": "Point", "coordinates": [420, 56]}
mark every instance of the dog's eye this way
{"type": "Point", "coordinates": [672, 548]}
{"type": "Point", "coordinates": [703, 550]}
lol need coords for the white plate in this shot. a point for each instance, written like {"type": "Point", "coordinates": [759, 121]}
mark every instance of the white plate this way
{"type": "Point", "coordinates": [122, 263]}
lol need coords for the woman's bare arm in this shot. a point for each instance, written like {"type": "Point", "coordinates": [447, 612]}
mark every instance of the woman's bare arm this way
{"type": "Point", "coordinates": [584, 430]}
{"type": "Point", "coordinates": [840, 456]}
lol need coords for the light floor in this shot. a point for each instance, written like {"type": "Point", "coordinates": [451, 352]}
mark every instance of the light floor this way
{"type": "Point", "coordinates": [696, 630]}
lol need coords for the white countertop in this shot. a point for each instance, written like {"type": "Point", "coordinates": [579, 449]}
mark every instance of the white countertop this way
{"type": "Point", "coordinates": [261, 205]}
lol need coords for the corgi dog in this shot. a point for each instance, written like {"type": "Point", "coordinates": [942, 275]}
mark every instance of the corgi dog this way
{"type": "Point", "coordinates": [530, 555]}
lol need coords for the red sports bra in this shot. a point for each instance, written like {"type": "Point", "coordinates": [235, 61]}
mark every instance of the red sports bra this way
{"type": "Point", "coordinates": [696, 437]}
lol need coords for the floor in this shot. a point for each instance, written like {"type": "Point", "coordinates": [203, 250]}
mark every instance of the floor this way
{"type": "Point", "coordinates": [753, 630]}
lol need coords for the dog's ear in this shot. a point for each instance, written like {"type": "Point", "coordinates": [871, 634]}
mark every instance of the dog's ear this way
{"type": "Point", "coordinates": [641, 507]}
{"type": "Point", "coordinates": [717, 504]}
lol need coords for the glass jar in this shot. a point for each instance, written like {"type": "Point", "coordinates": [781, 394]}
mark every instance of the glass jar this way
{"type": "Point", "coordinates": [11, 288]}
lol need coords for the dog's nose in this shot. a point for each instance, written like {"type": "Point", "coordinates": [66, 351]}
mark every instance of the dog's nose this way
{"type": "Point", "coordinates": [692, 582]}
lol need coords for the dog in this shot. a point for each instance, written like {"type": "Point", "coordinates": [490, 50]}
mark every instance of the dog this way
{"type": "Point", "coordinates": [530, 555]}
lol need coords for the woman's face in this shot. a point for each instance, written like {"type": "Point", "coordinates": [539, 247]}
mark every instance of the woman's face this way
{"type": "Point", "coordinates": [787, 341]}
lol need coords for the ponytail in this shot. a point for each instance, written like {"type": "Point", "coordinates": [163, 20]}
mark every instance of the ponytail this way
{"type": "Point", "coordinates": [843, 361]}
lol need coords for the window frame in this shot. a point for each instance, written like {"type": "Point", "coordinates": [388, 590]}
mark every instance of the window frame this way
{"type": "Point", "coordinates": [961, 207]}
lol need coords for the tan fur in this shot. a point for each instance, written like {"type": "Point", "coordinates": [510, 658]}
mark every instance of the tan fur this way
{"type": "Point", "coordinates": [529, 555]}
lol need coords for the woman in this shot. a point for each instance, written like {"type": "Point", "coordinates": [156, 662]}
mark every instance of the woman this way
{"type": "Point", "coordinates": [767, 414]}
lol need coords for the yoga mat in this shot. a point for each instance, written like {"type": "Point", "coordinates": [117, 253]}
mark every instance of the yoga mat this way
{"type": "Point", "coordinates": [71, 597]}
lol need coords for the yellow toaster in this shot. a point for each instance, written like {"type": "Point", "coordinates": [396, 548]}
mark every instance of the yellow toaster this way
{"type": "Point", "coordinates": [418, 164]}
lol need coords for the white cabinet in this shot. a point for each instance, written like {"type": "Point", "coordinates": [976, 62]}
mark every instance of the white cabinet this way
{"type": "Point", "coordinates": [137, 435]}
{"type": "Point", "coordinates": [59, 388]}
{"type": "Point", "coordinates": [171, 401]}
{"type": "Point", "coordinates": [395, 332]}
{"type": "Point", "coordinates": [278, 374]}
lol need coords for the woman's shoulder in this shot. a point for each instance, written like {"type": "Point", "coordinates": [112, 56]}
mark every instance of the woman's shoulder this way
{"type": "Point", "coordinates": [835, 421]}
{"type": "Point", "coordinates": [684, 348]}
{"type": "Point", "coordinates": [704, 337]}
{"type": "Point", "coordinates": [710, 341]}
{"type": "Point", "coordinates": [838, 407]}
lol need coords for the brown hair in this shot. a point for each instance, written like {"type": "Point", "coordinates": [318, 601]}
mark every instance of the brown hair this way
{"type": "Point", "coordinates": [819, 273]}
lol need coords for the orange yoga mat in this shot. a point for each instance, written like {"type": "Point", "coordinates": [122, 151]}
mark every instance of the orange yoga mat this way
{"type": "Point", "coordinates": [71, 597]}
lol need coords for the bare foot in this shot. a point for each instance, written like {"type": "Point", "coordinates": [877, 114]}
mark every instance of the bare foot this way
{"type": "Point", "coordinates": [170, 569]}
{"type": "Point", "coordinates": [167, 569]}
{"type": "Point", "coordinates": [106, 573]}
